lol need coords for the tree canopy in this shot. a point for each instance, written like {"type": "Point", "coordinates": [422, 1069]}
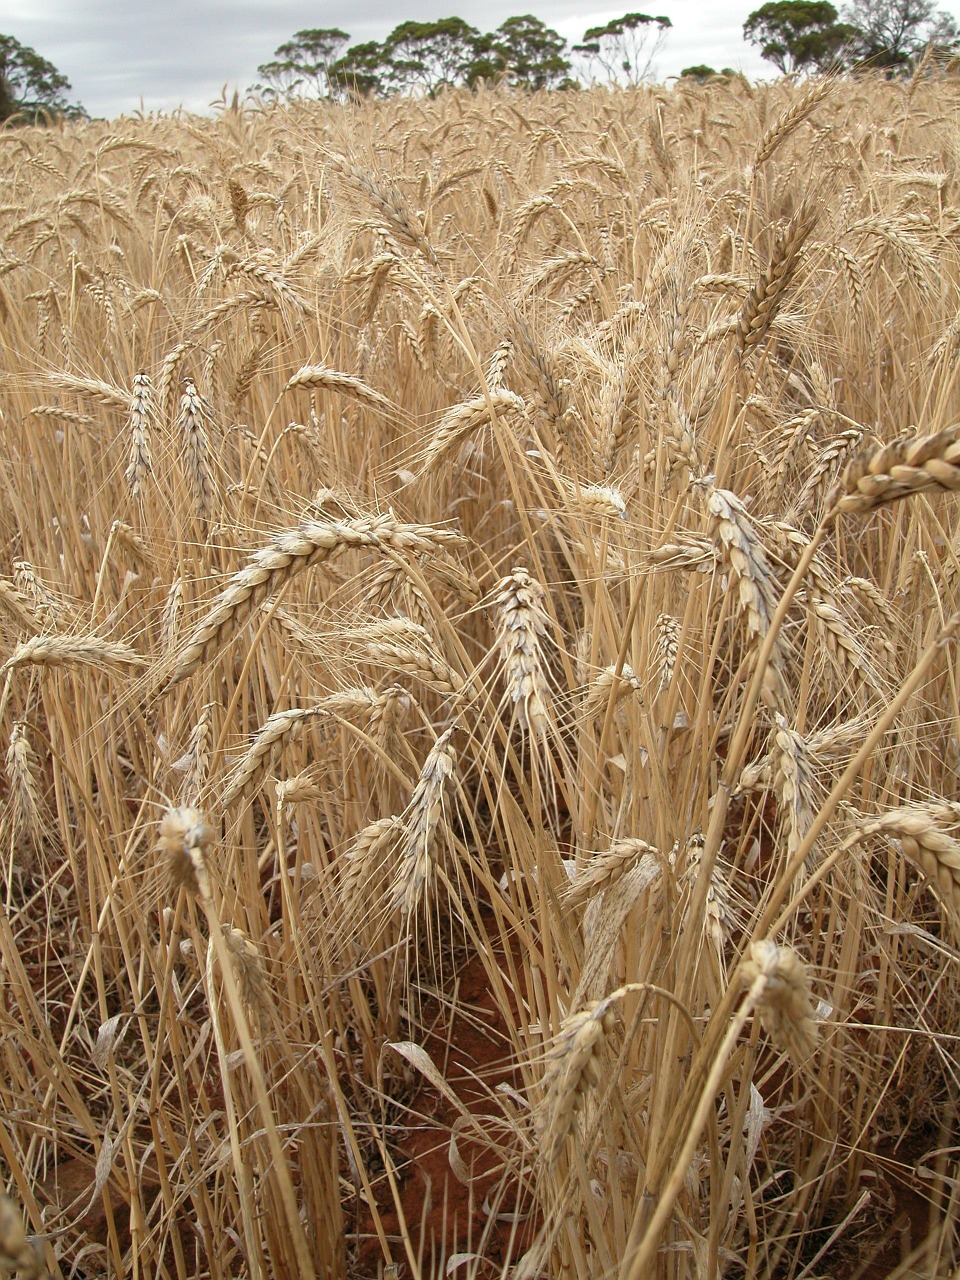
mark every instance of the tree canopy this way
{"type": "Point", "coordinates": [799, 35]}
{"type": "Point", "coordinates": [530, 55]}
{"type": "Point", "coordinates": [810, 35]}
{"type": "Point", "coordinates": [30, 86]}
{"type": "Point", "coordinates": [892, 34]}
{"type": "Point", "coordinates": [299, 67]}
{"type": "Point", "coordinates": [427, 57]}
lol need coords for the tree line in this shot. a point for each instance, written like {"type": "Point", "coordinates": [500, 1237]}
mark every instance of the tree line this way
{"type": "Point", "coordinates": [426, 57]}
{"type": "Point", "coordinates": [523, 52]}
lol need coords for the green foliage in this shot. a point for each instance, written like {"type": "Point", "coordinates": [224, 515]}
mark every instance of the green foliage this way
{"type": "Point", "coordinates": [30, 86]}
{"type": "Point", "coordinates": [625, 47]}
{"type": "Point", "coordinates": [360, 71]}
{"type": "Point", "coordinates": [702, 73]}
{"type": "Point", "coordinates": [799, 35]}
{"type": "Point", "coordinates": [300, 67]}
{"type": "Point", "coordinates": [530, 54]}
{"type": "Point", "coordinates": [892, 34]}
{"type": "Point", "coordinates": [427, 57]}
{"type": "Point", "coordinates": [430, 56]}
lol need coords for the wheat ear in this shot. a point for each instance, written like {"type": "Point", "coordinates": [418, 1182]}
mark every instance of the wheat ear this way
{"type": "Point", "coordinates": [763, 301]}
{"type": "Point", "coordinates": [780, 986]}
{"type": "Point", "coordinates": [790, 119]}
{"type": "Point", "coordinates": [289, 554]}
{"type": "Point", "coordinates": [898, 470]}
{"type": "Point", "coordinates": [317, 377]}
{"type": "Point", "coordinates": [462, 419]}
{"type": "Point", "coordinates": [422, 822]}
{"type": "Point", "coordinates": [572, 1072]}
{"type": "Point", "coordinates": [141, 414]}
{"type": "Point", "coordinates": [521, 628]}
{"type": "Point", "coordinates": [18, 1254]}
{"type": "Point", "coordinates": [924, 834]}
{"type": "Point", "coordinates": [83, 651]}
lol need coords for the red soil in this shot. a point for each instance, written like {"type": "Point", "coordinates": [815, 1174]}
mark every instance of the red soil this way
{"type": "Point", "coordinates": [443, 1216]}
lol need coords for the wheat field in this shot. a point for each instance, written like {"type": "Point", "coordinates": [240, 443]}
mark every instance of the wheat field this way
{"type": "Point", "coordinates": [479, 698]}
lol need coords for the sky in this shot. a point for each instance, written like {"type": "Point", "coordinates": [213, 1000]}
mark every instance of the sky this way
{"type": "Point", "coordinates": [123, 56]}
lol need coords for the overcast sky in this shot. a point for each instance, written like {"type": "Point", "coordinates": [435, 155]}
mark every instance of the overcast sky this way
{"type": "Point", "coordinates": [159, 54]}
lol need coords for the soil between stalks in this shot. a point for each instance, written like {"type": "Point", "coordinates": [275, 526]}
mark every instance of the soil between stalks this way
{"type": "Point", "coordinates": [443, 1216]}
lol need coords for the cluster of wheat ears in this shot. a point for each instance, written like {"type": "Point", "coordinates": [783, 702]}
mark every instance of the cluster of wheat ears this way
{"type": "Point", "coordinates": [497, 536]}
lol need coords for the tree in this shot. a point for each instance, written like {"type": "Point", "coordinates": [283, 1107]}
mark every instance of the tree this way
{"type": "Point", "coordinates": [702, 73]}
{"type": "Point", "coordinates": [300, 67]}
{"type": "Point", "coordinates": [30, 85]}
{"type": "Point", "coordinates": [892, 34]}
{"type": "Point", "coordinates": [622, 47]}
{"type": "Point", "coordinates": [361, 71]}
{"type": "Point", "coordinates": [428, 56]}
{"type": "Point", "coordinates": [799, 35]}
{"type": "Point", "coordinates": [530, 54]}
